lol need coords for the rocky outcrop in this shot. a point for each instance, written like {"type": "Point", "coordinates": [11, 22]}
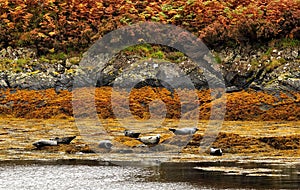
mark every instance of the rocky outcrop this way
{"type": "Point", "coordinates": [261, 68]}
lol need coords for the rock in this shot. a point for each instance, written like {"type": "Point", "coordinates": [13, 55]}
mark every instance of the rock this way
{"type": "Point", "coordinates": [294, 83]}
{"type": "Point", "coordinates": [295, 54]}
{"type": "Point", "coordinates": [3, 80]}
{"type": "Point", "coordinates": [255, 86]}
{"type": "Point", "coordinates": [242, 68]}
{"type": "Point", "coordinates": [232, 89]}
{"type": "Point", "coordinates": [72, 61]}
{"type": "Point", "coordinates": [64, 82]}
{"type": "Point", "coordinates": [32, 81]}
{"type": "Point", "coordinates": [17, 53]}
{"type": "Point", "coordinates": [3, 84]}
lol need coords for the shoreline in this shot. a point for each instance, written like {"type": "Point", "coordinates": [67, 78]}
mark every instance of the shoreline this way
{"type": "Point", "coordinates": [96, 160]}
{"type": "Point", "coordinates": [239, 140]}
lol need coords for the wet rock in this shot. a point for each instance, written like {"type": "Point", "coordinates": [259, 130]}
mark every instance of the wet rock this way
{"type": "Point", "coordinates": [71, 61]}
{"type": "Point", "coordinates": [242, 68]}
{"type": "Point", "coordinates": [32, 81]}
{"type": "Point", "coordinates": [232, 89]}
{"type": "Point", "coordinates": [293, 83]}
{"type": "Point", "coordinates": [3, 80]}
{"type": "Point", "coordinates": [255, 86]}
{"type": "Point", "coordinates": [3, 84]}
{"type": "Point", "coordinates": [64, 82]}
{"type": "Point", "coordinates": [17, 53]}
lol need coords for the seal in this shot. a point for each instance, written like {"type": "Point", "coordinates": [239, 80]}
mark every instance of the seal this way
{"type": "Point", "coordinates": [106, 144]}
{"type": "Point", "coordinates": [63, 140]}
{"type": "Point", "coordinates": [149, 140]}
{"type": "Point", "coordinates": [184, 131]}
{"type": "Point", "coordinates": [131, 134]}
{"type": "Point", "coordinates": [45, 142]}
{"type": "Point", "coordinates": [216, 152]}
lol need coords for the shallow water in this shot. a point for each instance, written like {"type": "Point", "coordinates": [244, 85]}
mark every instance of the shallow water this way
{"type": "Point", "coordinates": [167, 176]}
{"type": "Point", "coordinates": [83, 177]}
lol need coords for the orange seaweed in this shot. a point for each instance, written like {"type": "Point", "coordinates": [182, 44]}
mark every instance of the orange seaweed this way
{"type": "Point", "coordinates": [244, 105]}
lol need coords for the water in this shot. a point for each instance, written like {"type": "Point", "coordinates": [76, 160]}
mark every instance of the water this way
{"type": "Point", "coordinates": [82, 177]}
{"type": "Point", "coordinates": [167, 176]}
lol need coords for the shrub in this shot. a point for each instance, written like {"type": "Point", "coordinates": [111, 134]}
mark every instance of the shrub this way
{"type": "Point", "coordinates": [67, 26]}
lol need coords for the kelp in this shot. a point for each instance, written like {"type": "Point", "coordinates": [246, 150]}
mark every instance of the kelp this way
{"type": "Point", "coordinates": [148, 102]}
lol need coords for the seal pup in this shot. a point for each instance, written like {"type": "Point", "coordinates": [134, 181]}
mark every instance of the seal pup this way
{"type": "Point", "coordinates": [131, 134]}
{"type": "Point", "coordinates": [150, 140]}
{"type": "Point", "coordinates": [106, 144]}
{"type": "Point", "coordinates": [184, 131]}
{"type": "Point", "coordinates": [216, 152]}
{"type": "Point", "coordinates": [44, 142]}
{"type": "Point", "coordinates": [63, 140]}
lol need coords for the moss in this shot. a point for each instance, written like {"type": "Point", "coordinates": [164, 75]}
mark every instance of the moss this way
{"type": "Point", "coordinates": [17, 69]}
{"type": "Point", "coordinates": [217, 58]}
{"type": "Point", "coordinates": [44, 59]}
{"type": "Point", "coordinates": [53, 61]}
{"type": "Point", "coordinates": [254, 63]}
{"type": "Point", "coordinates": [74, 60]}
{"type": "Point", "coordinates": [22, 62]}
{"type": "Point", "coordinates": [166, 7]}
{"type": "Point", "coordinates": [274, 64]}
{"type": "Point", "coordinates": [5, 63]}
{"type": "Point", "coordinates": [175, 56]}
{"type": "Point", "coordinates": [58, 56]}
{"type": "Point", "coordinates": [269, 51]}
{"type": "Point", "coordinates": [141, 49]}
{"type": "Point", "coordinates": [158, 55]}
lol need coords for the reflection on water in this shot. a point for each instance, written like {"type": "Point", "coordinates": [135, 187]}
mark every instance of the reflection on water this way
{"type": "Point", "coordinates": [214, 175]}
{"type": "Point", "coordinates": [82, 177]}
{"type": "Point", "coordinates": [167, 176]}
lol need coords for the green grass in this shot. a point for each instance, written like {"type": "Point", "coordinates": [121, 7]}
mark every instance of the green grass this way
{"type": "Point", "coordinates": [288, 42]}
{"type": "Point", "coordinates": [155, 51]}
{"type": "Point", "coordinates": [217, 58]}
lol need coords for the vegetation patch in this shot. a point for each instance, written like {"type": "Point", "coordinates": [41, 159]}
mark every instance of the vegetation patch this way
{"type": "Point", "coordinates": [62, 26]}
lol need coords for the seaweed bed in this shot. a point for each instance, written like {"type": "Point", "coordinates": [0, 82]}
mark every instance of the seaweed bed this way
{"type": "Point", "coordinates": [256, 123]}
{"type": "Point", "coordinates": [236, 138]}
{"type": "Point", "coordinates": [244, 105]}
